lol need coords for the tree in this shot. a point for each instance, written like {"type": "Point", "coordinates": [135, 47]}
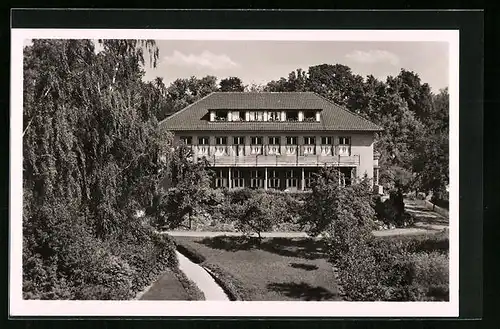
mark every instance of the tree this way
{"type": "Point", "coordinates": [231, 84]}
{"type": "Point", "coordinates": [335, 82]}
{"type": "Point", "coordinates": [90, 159]}
{"type": "Point", "coordinates": [187, 187]}
{"type": "Point", "coordinates": [254, 88]}
{"type": "Point", "coordinates": [341, 213]}
{"type": "Point", "coordinates": [183, 92]}
{"type": "Point", "coordinates": [258, 212]}
{"type": "Point", "coordinates": [418, 96]}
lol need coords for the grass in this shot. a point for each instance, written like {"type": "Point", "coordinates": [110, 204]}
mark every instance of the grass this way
{"type": "Point", "coordinates": [173, 285]}
{"type": "Point", "coordinates": [278, 269]}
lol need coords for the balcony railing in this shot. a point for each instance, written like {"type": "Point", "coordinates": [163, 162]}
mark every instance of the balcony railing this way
{"type": "Point", "coordinates": [283, 160]}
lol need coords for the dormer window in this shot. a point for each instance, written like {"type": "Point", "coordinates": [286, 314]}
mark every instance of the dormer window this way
{"type": "Point", "coordinates": [292, 116]}
{"type": "Point", "coordinates": [274, 116]}
{"type": "Point", "coordinates": [220, 115]}
{"type": "Point", "coordinates": [256, 116]}
{"type": "Point", "coordinates": [238, 116]}
{"type": "Point", "coordinates": [309, 116]}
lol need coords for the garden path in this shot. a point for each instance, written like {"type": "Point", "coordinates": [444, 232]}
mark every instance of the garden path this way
{"type": "Point", "coordinates": [201, 278]}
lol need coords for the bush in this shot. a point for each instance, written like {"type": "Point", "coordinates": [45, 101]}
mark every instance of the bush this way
{"type": "Point", "coordinates": [393, 270]}
{"type": "Point", "coordinates": [190, 253]}
{"type": "Point", "coordinates": [373, 272]}
{"type": "Point", "coordinates": [431, 280]}
{"type": "Point", "coordinates": [68, 262]}
{"type": "Point", "coordinates": [434, 242]}
{"type": "Point", "coordinates": [389, 212]}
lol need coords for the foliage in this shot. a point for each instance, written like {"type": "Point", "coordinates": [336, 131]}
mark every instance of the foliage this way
{"type": "Point", "coordinates": [183, 92]}
{"type": "Point", "coordinates": [331, 207]}
{"type": "Point", "coordinates": [388, 270]}
{"type": "Point", "coordinates": [187, 186]}
{"type": "Point", "coordinates": [91, 158]}
{"type": "Point", "coordinates": [231, 84]}
{"type": "Point", "coordinates": [433, 242]}
{"type": "Point", "coordinates": [257, 213]}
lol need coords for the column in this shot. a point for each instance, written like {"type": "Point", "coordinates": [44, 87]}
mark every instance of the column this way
{"type": "Point", "coordinates": [317, 116]}
{"type": "Point", "coordinates": [283, 116]}
{"type": "Point", "coordinates": [301, 115]}
{"type": "Point", "coordinates": [212, 116]}
{"type": "Point", "coordinates": [247, 116]}
{"type": "Point", "coordinates": [265, 178]}
{"type": "Point", "coordinates": [303, 182]}
{"type": "Point", "coordinates": [229, 181]}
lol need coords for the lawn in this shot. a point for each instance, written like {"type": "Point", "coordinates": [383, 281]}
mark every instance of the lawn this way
{"type": "Point", "coordinates": [279, 269]}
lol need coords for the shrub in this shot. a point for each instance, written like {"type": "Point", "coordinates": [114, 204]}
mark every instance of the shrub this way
{"type": "Point", "coordinates": [190, 253]}
{"type": "Point", "coordinates": [393, 270]}
{"type": "Point", "coordinates": [390, 212]}
{"type": "Point", "coordinates": [438, 242]}
{"type": "Point", "coordinates": [431, 280]}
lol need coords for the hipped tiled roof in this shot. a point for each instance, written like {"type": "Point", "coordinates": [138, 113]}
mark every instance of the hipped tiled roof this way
{"type": "Point", "coordinates": [332, 116]}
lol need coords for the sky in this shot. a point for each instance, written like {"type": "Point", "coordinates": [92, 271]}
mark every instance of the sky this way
{"type": "Point", "coordinates": [262, 61]}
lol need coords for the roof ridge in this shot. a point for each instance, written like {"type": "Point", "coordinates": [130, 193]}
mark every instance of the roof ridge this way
{"type": "Point", "coordinates": [348, 111]}
{"type": "Point", "coordinates": [187, 107]}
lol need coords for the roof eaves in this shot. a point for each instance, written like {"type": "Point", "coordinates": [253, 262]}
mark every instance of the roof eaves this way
{"type": "Point", "coordinates": [184, 109]}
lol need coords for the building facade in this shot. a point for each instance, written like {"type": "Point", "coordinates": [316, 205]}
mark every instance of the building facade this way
{"type": "Point", "coordinates": [275, 140]}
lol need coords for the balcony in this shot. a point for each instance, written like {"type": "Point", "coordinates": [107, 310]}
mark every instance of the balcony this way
{"type": "Point", "coordinates": [233, 156]}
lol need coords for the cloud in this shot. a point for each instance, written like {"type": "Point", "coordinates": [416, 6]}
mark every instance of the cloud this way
{"type": "Point", "coordinates": [204, 60]}
{"type": "Point", "coordinates": [373, 57]}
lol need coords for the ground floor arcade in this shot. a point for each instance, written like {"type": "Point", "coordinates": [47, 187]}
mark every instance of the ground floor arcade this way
{"type": "Point", "coordinates": [278, 178]}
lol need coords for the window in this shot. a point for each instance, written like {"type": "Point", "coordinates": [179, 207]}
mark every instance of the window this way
{"type": "Point", "coordinates": [221, 140]}
{"type": "Point", "coordinates": [256, 140]}
{"type": "Point", "coordinates": [292, 116]}
{"type": "Point", "coordinates": [309, 140]}
{"type": "Point", "coordinates": [291, 179]}
{"type": "Point", "coordinates": [256, 116]}
{"type": "Point", "coordinates": [274, 116]}
{"type": "Point", "coordinates": [239, 140]}
{"type": "Point", "coordinates": [220, 115]}
{"type": "Point", "coordinates": [256, 180]}
{"type": "Point", "coordinates": [273, 179]}
{"type": "Point", "coordinates": [326, 140]}
{"type": "Point", "coordinates": [238, 116]}
{"type": "Point", "coordinates": [203, 140]}
{"type": "Point", "coordinates": [291, 140]}
{"type": "Point", "coordinates": [309, 116]}
{"type": "Point", "coordinates": [238, 178]}
{"type": "Point", "coordinates": [309, 178]}
{"type": "Point", "coordinates": [344, 140]}
{"type": "Point", "coordinates": [220, 178]}
{"type": "Point", "coordinates": [274, 140]}
{"type": "Point", "coordinates": [188, 140]}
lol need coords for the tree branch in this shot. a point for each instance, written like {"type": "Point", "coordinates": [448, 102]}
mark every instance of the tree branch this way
{"type": "Point", "coordinates": [29, 123]}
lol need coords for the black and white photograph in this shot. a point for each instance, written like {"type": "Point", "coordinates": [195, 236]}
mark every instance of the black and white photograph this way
{"type": "Point", "coordinates": [182, 173]}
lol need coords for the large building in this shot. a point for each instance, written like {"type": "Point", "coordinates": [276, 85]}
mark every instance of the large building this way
{"type": "Point", "coordinates": [275, 140]}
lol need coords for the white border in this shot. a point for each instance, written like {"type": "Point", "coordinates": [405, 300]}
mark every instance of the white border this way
{"type": "Point", "coordinates": [20, 307]}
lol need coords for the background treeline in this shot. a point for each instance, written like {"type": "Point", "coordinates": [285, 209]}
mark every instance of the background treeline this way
{"type": "Point", "coordinates": [94, 154]}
